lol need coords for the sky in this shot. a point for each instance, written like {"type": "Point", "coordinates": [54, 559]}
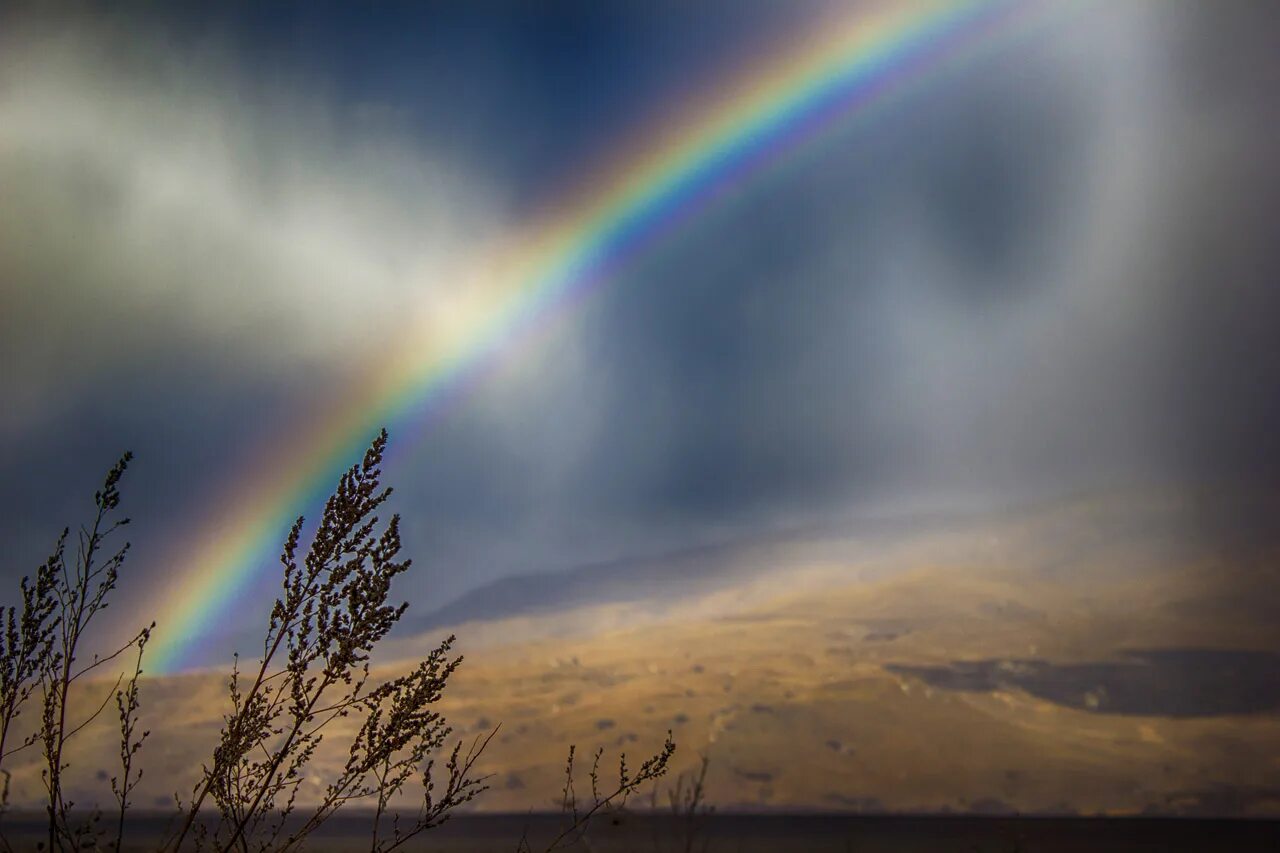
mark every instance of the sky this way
{"type": "Point", "coordinates": [1050, 269]}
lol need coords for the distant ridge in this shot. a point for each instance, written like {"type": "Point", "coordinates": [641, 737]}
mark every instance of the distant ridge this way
{"type": "Point", "coordinates": [650, 577]}
{"type": "Point", "coordinates": [1069, 528]}
{"type": "Point", "coordinates": [677, 571]}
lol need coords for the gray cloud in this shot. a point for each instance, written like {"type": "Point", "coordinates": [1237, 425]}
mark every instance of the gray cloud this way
{"type": "Point", "coordinates": [1051, 270]}
{"type": "Point", "coordinates": [159, 206]}
{"type": "Point", "coordinates": [1008, 290]}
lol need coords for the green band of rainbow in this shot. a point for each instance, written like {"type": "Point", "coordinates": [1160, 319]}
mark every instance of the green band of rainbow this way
{"type": "Point", "coordinates": [839, 71]}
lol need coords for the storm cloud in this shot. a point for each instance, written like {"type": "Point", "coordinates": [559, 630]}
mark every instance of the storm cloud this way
{"type": "Point", "coordinates": [159, 205]}
{"type": "Point", "coordinates": [1052, 269]}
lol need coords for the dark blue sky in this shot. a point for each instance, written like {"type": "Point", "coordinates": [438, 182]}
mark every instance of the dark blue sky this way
{"type": "Point", "coordinates": [1051, 270]}
{"type": "Point", "coordinates": [530, 91]}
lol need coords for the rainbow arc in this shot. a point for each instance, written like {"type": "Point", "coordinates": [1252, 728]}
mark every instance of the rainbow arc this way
{"type": "Point", "coordinates": [843, 69]}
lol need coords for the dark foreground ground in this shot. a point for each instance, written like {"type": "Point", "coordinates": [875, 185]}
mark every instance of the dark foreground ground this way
{"type": "Point", "coordinates": [785, 833]}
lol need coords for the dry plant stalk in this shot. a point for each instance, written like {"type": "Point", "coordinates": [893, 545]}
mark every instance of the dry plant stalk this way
{"type": "Point", "coordinates": [333, 610]}
{"type": "Point", "coordinates": [580, 815]}
{"type": "Point", "coordinates": [128, 705]}
{"type": "Point", "coordinates": [80, 592]}
{"type": "Point", "coordinates": [687, 800]}
{"type": "Point", "coordinates": [26, 649]}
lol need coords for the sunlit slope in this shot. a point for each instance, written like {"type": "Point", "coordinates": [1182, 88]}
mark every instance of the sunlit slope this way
{"type": "Point", "coordinates": [1048, 662]}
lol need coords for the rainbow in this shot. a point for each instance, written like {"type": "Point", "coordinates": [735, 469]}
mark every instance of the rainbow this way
{"type": "Point", "coordinates": [851, 62]}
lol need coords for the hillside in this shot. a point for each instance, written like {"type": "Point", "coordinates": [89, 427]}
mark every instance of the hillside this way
{"type": "Point", "coordinates": [1053, 662]}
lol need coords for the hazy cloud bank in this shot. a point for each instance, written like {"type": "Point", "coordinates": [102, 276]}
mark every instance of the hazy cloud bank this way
{"type": "Point", "coordinates": [159, 206]}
